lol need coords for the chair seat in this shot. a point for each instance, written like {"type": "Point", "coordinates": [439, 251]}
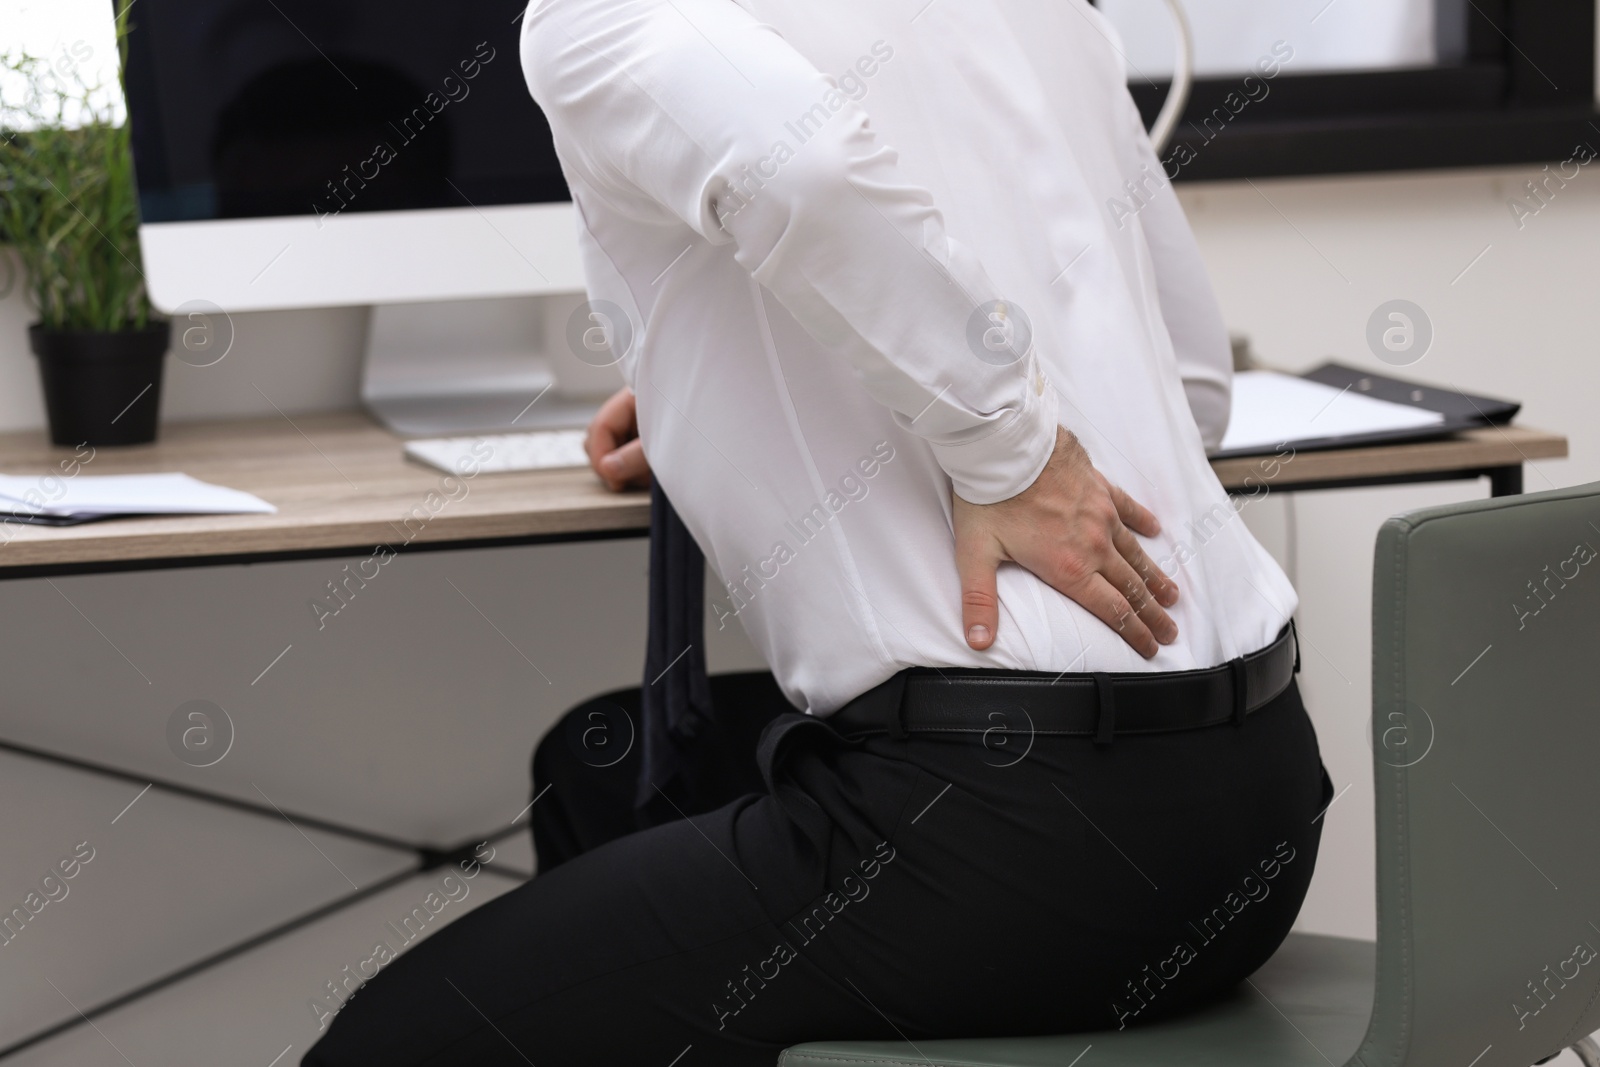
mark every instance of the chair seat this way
{"type": "Point", "coordinates": [1309, 1008]}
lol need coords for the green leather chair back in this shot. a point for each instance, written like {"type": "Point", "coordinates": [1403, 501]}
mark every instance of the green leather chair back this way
{"type": "Point", "coordinates": [1486, 737]}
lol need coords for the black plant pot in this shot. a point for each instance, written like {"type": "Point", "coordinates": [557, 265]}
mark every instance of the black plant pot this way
{"type": "Point", "coordinates": [101, 388]}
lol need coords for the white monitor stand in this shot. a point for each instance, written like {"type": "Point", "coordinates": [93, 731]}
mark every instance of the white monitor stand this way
{"type": "Point", "coordinates": [459, 367]}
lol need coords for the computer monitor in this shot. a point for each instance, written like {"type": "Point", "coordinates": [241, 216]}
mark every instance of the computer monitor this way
{"type": "Point", "coordinates": [305, 153]}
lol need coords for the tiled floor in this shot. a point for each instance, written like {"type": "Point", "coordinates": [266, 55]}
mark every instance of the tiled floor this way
{"type": "Point", "coordinates": [414, 718]}
{"type": "Point", "coordinates": [169, 881]}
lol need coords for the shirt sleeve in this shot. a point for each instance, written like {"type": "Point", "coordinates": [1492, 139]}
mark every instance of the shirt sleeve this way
{"type": "Point", "coordinates": [697, 106]}
{"type": "Point", "coordinates": [1188, 305]}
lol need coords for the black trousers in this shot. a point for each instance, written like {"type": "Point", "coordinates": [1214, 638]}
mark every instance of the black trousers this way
{"type": "Point", "coordinates": [586, 770]}
{"type": "Point", "coordinates": [933, 886]}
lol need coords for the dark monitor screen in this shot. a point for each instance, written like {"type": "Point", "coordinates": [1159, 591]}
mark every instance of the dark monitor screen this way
{"type": "Point", "coordinates": [246, 108]}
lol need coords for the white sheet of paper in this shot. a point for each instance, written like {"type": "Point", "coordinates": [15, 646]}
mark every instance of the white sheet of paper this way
{"type": "Point", "coordinates": [124, 494]}
{"type": "Point", "coordinates": [1270, 408]}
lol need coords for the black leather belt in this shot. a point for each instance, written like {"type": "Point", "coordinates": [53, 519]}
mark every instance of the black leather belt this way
{"type": "Point", "coordinates": [933, 700]}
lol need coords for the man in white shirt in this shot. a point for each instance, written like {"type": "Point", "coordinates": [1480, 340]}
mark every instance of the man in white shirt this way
{"type": "Point", "coordinates": [794, 311]}
{"type": "Point", "coordinates": [906, 303]}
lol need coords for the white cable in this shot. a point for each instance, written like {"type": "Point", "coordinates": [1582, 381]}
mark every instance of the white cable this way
{"type": "Point", "coordinates": [1166, 123]}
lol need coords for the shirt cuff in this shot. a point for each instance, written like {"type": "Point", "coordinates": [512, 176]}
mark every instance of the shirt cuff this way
{"type": "Point", "coordinates": [1002, 464]}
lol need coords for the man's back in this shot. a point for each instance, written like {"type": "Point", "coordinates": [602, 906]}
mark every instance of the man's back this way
{"type": "Point", "coordinates": [791, 265]}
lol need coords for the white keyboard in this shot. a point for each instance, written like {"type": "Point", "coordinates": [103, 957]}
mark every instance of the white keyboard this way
{"type": "Point", "coordinates": [498, 452]}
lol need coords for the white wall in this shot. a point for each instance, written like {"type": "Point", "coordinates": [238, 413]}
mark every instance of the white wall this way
{"type": "Point", "coordinates": [1299, 265]}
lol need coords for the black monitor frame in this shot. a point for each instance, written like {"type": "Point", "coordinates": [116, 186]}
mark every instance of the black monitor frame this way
{"type": "Point", "coordinates": [1523, 93]}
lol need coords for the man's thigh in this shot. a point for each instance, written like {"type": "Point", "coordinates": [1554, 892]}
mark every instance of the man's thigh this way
{"type": "Point", "coordinates": [630, 954]}
{"type": "Point", "coordinates": [923, 882]}
{"type": "Point", "coordinates": [586, 769]}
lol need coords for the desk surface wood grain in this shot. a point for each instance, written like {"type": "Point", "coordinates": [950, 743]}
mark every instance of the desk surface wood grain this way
{"type": "Point", "coordinates": [1490, 446]}
{"type": "Point", "coordinates": [341, 482]}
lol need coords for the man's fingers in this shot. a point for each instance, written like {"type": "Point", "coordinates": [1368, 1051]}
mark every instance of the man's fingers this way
{"type": "Point", "coordinates": [977, 559]}
{"type": "Point", "coordinates": [619, 413]}
{"type": "Point", "coordinates": [1113, 609]}
{"type": "Point", "coordinates": [612, 443]}
{"type": "Point", "coordinates": [1133, 514]}
{"type": "Point", "coordinates": [598, 443]}
{"type": "Point", "coordinates": [614, 423]}
{"type": "Point", "coordinates": [624, 466]}
{"type": "Point", "coordinates": [1163, 587]}
{"type": "Point", "coordinates": [1144, 605]}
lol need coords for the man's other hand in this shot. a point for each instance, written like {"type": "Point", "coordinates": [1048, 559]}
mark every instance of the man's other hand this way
{"type": "Point", "coordinates": [1074, 530]}
{"type": "Point", "coordinates": [615, 451]}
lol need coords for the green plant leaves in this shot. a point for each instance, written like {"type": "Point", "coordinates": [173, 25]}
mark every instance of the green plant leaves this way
{"type": "Point", "coordinates": [68, 201]}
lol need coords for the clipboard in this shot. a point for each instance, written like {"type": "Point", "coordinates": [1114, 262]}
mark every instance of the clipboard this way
{"type": "Point", "coordinates": [1454, 406]}
{"type": "Point", "coordinates": [40, 518]}
{"type": "Point", "coordinates": [1457, 411]}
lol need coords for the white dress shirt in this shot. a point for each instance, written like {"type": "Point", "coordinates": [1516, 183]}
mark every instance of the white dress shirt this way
{"type": "Point", "coordinates": [825, 222]}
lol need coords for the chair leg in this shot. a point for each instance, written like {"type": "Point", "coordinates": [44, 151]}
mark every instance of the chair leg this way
{"type": "Point", "coordinates": [1588, 1052]}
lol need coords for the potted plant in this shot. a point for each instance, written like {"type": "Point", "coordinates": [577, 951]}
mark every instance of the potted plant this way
{"type": "Point", "coordinates": [69, 208]}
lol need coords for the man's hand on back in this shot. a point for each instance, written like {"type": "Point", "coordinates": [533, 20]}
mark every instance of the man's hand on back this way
{"type": "Point", "coordinates": [1071, 528]}
{"type": "Point", "coordinates": [1075, 531]}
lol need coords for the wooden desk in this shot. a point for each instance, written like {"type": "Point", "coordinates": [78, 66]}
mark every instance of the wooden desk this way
{"type": "Point", "coordinates": [342, 486]}
{"type": "Point", "coordinates": [1494, 452]}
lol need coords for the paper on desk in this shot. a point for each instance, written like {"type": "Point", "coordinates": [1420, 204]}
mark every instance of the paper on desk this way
{"type": "Point", "coordinates": [1270, 409]}
{"type": "Point", "coordinates": [124, 494]}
